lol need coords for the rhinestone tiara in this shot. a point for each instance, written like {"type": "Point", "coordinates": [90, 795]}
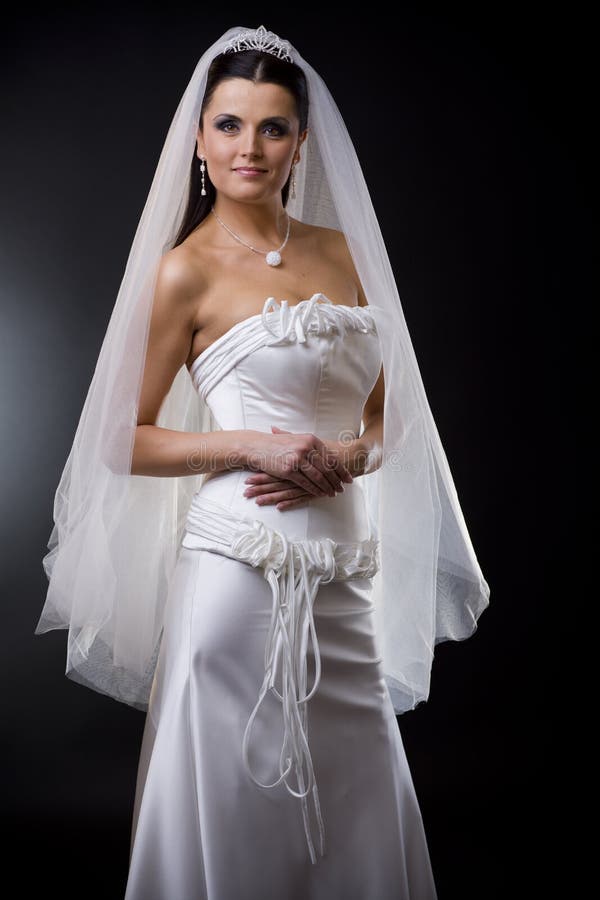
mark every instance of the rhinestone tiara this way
{"type": "Point", "coordinates": [260, 39]}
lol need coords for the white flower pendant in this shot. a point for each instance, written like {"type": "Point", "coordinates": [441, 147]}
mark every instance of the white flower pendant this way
{"type": "Point", "coordinates": [273, 258]}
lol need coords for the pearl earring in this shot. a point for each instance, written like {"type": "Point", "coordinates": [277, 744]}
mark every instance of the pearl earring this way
{"type": "Point", "coordinates": [202, 170]}
{"type": "Point", "coordinates": [294, 181]}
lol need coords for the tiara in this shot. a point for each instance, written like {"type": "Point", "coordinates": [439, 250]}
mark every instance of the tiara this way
{"type": "Point", "coordinates": [260, 39]}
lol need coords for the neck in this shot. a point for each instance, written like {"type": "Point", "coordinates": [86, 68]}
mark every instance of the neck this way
{"type": "Point", "coordinates": [264, 223]}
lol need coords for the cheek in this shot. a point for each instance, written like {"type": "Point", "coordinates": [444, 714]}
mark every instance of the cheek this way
{"type": "Point", "coordinates": [218, 148]}
{"type": "Point", "coordinates": [280, 154]}
{"type": "Point", "coordinates": [221, 154]}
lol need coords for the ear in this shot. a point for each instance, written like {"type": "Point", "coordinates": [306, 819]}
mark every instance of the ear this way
{"type": "Point", "coordinates": [200, 145]}
{"type": "Point", "coordinates": [301, 140]}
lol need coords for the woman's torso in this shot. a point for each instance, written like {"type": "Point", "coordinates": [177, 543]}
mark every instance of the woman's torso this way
{"type": "Point", "coordinates": [308, 365]}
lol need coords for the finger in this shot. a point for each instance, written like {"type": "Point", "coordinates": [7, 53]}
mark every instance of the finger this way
{"type": "Point", "coordinates": [267, 488]}
{"type": "Point", "coordinates": [259, 478]}
{"type": "Point", "coordinates": [344, 472]}
{"type": "Point", "coordinates": [328, 471]}
{"type": "Point", "coordinates": [325, 478]}
{"type": "Point", "coordinates": [334, 462]}
{"type": "Point", "coordinates": [294, 478]}
{"type": "Point", "coordinates": [293, 504]}
{"type": "Point", "coordinates": [311, 480]}
{"type": "Point", "coordinates": [278, 496]}
{"type": "Point", "coordinates": [330, 464]}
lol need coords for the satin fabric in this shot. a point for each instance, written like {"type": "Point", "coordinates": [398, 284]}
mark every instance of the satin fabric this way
{"type": "Point", "coordinates": [202, 829]}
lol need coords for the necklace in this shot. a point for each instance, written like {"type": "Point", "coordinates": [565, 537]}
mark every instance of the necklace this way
{"type": "Point", "coordinates": [273, 256]}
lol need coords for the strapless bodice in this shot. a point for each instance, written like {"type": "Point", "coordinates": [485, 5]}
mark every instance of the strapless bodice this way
{"type": "Point", "coordinates": [308, 367]}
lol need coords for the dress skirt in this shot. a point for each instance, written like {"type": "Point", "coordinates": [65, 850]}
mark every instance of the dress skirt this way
{"type": "Point", "coordinates": [203, 829]}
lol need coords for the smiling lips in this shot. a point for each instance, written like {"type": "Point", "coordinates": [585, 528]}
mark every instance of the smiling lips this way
{"type": "Point", "coordinates": [249, 170]}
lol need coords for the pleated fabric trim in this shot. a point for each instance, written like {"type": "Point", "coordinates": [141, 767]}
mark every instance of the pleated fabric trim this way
{"type": "Point", "coordinates": [278, 323]}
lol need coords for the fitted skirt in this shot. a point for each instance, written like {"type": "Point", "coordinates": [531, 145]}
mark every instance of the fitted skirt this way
{"type": "Point", "coordinates": [251, 784]}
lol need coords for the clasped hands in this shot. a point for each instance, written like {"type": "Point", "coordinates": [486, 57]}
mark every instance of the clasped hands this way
{"type": "Point", "coordinates": [302, 467]}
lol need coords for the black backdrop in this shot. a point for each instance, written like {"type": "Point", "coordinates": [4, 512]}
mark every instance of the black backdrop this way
{"type": "Point", "coordinates": [464, 124]}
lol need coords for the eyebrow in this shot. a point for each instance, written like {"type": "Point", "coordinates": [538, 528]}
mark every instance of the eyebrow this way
{"type": "Point", "coordinates": [268, 119]}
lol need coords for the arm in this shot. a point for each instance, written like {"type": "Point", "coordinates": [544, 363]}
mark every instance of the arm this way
{"type": "Point", "coordinates": [164, 452]}
{"type": "Point", "coordinates": [365, 453]}
{"type": "Point", "coordinates": [161, 451]}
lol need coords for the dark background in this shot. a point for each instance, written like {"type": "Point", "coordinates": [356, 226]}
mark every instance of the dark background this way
{"type": "Point", "coordinates": [465, 123]}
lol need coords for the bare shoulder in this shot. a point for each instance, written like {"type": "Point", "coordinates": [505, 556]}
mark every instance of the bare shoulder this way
{"type": "Point", "coordinates": [316, 232]}
{"type": "Point", "coordinates": [180, 274]}
{"type": "Point", "coordinates": [336, 246]}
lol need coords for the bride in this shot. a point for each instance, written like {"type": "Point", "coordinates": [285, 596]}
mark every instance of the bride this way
{"type": "Point", "coordinates": [210, 283]}
{"type": "Point", "coordinates": [244, 540]}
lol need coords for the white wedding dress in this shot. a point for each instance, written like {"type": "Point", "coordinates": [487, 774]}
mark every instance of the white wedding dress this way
{"type": "Point", "coordinates": [263, 603]}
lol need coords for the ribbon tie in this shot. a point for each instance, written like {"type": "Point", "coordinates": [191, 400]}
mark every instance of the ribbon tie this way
{"type": "Point", "coordinates": [294, 321]}
{"type": "Point", "coordinates": [294, 571]}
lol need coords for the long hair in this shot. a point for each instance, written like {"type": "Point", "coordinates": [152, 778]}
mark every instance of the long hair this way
{"type": "Point", "coordinates": [259, 67]}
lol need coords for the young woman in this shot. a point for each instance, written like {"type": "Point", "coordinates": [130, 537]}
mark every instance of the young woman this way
{"type": "Point", "coordinates": [272, 489]}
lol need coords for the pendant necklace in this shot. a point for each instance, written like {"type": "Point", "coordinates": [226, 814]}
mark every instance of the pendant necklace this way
{"type": "Point", "coordinates": [273, 256]}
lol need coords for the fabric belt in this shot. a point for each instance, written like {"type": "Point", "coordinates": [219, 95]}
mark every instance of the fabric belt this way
{"type": "Point", "coordinates": [294, 570]}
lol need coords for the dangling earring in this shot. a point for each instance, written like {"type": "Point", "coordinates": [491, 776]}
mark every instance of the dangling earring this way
{"type": "Point", "coordinates": [202, 170]}
{"type": "Point", "coordinates": [294, 181]}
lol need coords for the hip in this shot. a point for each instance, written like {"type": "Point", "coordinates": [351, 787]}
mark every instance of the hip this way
{"type": "Point", "coordinates": [342, 518]}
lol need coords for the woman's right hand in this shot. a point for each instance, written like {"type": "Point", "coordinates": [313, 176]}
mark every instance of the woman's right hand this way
{"type": "Point", "coordinates": [301, 458]}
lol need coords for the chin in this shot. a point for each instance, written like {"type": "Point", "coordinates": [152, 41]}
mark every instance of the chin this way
{"type": "Point", "coordinates": [262, 191]}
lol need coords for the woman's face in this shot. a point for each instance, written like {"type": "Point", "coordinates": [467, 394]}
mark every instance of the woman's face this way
{"type": "Point", "coordinates": [249, 125]}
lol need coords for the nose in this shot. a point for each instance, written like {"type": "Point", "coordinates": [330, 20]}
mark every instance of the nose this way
{"type": "Point", "coordinates": [251, 145]}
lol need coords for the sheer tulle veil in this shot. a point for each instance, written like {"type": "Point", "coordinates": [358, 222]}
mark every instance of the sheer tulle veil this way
{"type": "Point", "coordinates": [116, 536]}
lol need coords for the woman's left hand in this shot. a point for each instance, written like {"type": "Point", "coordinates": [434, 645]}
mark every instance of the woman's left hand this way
{"type": "Point", "coordinates": [270, 491]}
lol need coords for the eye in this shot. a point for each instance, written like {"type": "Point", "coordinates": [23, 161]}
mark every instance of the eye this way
{"type": "Point", "coordinates": [273, 127]}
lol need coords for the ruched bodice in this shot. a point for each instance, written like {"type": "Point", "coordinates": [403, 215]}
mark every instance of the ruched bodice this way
{"type": "Point", "coordinates": [309, 367]}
